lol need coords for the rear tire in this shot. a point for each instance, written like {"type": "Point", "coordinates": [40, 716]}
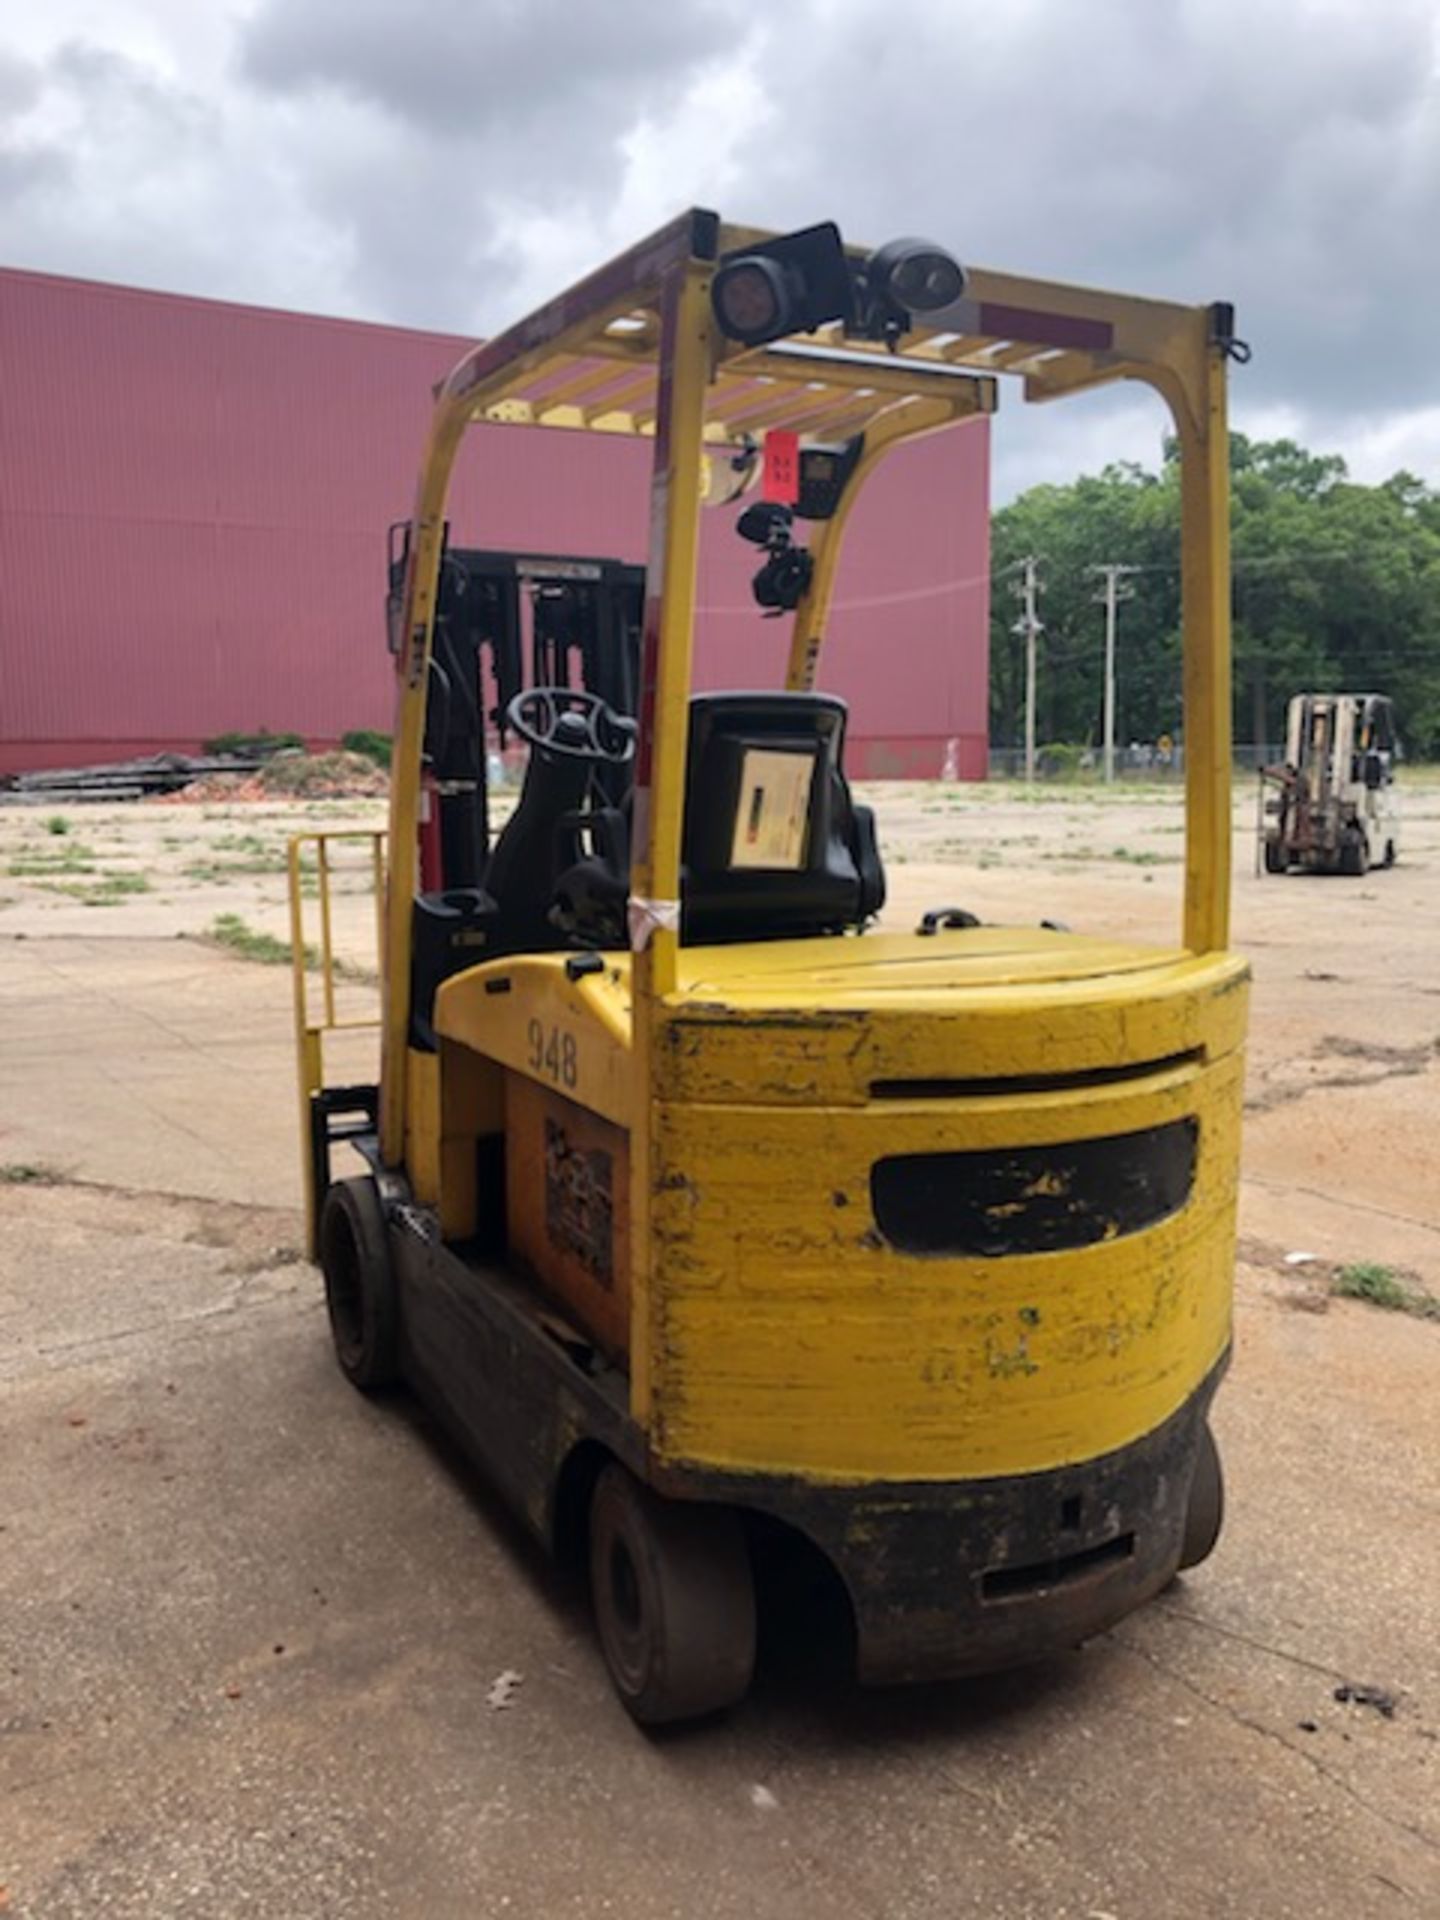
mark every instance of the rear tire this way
{"type": "Point", "coordinates": [674, 1600]}
{"type": "Point", "coordinates": [1205, 1510]}
{"type": "Point", "coordinates": [360, 1292]}
{"type": "Point", "coordinates": [1275, 860]}
{"type": "Point", "coordinates": [1389, 859]}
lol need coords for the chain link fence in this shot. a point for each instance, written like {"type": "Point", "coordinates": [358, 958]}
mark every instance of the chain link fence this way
{"type": "Point", "coordinates": [1136, 761]}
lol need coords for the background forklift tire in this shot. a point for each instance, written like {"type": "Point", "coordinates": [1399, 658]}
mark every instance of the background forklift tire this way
{"type": "Point", "coordinates": [1355, 856]}
{"type": "Point", "coordinates": [1276, 860]}
{"type": "Point", "coordinates": [1205, 1512]}
{"type": "Point", "coordinates": [359, 1284]}
{"type": "Point", "coordinates": [674, 1600]}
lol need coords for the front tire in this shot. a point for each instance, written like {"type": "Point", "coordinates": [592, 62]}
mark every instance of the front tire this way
{"type": "Point", "coordinates": [360, 1292]}
{"type": "Point", "coordinates": [674, 1600]}
{"type": "Point", "coordinates": [1205, 1510]}
{"type": "Point", "coordinates": [1355, 856]}
{"type": "Point", "coordinates": [1276, 859]}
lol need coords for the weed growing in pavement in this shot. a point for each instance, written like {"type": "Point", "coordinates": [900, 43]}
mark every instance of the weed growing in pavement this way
{"type": "Point", "coordinates": [1140, 857]}
{"type": "Point", "coordinates": [241, 843]}
{"type": "Point", "coordinates": [31, 864]}
{"type": "Point", "coordinates": [57, 823]}
{"type": "Point", "coordinates": [237, 936]}
{"type": "Point", "coordinates": [108, 891]}
{"type": "Point", "coordinates": [24, 1173]}
{"type": "Point", "coordinates": [1383, 1287]}
{"type": "Point", "coordinates": [220, 871]}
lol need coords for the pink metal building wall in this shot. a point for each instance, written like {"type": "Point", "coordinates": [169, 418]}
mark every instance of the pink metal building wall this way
{"type": "Point", "coordinates": [193, 505]}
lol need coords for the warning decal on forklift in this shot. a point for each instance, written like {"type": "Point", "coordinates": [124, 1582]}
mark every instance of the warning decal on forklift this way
{"type": "Point", "coordinates": [774, 810]}
{"type": "Point", "coordinates": [579, 1202]}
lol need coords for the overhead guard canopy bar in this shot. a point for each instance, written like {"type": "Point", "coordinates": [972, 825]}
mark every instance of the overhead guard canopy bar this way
{"type": "Point", "coordinates": [565, 365]}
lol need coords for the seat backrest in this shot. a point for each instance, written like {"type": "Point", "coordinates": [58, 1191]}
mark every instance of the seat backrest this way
{"type": "Point", "coordinates": [773, 845]}
{"type": "Point", "coordinates": [528, 856]}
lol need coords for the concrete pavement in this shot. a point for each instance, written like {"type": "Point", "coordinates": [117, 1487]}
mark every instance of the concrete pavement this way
{"type": "Point", "coordinates": [251, 1627]}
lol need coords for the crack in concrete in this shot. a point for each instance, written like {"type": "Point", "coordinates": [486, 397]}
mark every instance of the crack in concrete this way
{"type": "Point", "coordinates": [1248, 1640]}
{"type": "Point", "coordinates": [1241, 1719]}
{"type": "Point", "coordinates": [178, 1323]}
{"type": "Point", "coordinates": [1346, 1200]}
{"type": "Point", "coordinates": [1275, 1097]}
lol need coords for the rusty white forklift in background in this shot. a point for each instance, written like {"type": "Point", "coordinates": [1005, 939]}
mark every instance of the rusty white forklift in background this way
{"type": "Point", "coordinates": [1331, 807]}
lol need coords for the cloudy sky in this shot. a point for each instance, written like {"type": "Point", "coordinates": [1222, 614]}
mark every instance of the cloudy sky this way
{"type": "Point", "coordinates": [449, 163]}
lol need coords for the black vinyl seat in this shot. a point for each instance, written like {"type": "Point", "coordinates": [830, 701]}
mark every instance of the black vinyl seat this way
{"type": "Point", "coordinates": [774, 846]}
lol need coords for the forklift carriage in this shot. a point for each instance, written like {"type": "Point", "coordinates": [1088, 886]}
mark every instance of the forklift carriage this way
{"type": "Point", "coordinates": [692, 1206]}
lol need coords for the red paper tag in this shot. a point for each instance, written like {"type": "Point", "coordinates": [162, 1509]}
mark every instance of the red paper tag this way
{"type": "Point", "coordinates": [781, 480]}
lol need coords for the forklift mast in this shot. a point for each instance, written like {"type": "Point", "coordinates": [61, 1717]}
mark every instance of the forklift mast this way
{"type": "Point", "coordinates": [582, 619]}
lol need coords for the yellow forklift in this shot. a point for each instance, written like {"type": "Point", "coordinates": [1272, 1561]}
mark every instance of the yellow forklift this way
{"type": "Point", "coordinates": [697, 1209]}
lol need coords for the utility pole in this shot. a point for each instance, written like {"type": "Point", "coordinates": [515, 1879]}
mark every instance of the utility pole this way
{"type": "Point", "coordinates": [1030, 626]}
{"type": "Point", "coordinates": [1114, 590]}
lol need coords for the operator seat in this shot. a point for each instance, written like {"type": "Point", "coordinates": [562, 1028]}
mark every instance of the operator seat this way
{"type": "Point", "coordinates": [774, 847]}
{"type": "Point", "coordinates": [538, 843]}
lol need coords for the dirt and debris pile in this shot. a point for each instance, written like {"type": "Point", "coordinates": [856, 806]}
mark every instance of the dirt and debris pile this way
{"type": "Point", "coordinates": [289, 776]}
{"type": "Point", "coordinates": [138, 779]}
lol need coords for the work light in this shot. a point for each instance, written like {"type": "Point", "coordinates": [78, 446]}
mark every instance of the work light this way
{"type": "Point", "coordinates": [914, 275]}
{"type": "Point", "coordinates": [904, 278]}
{"type": "Point", "coordinates": [751, 300]}
{"type": "Point", "coordinates": [792, 284]}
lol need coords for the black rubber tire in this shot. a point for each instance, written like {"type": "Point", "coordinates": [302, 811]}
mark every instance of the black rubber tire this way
{"type": "Point", "coordinates": [674, 1600]}
{"type": "Point", "coordinates": [1275, 860]}
{"type": "Point", "coordinates": [1389, 859]}
{"type": "Point", "coordinates": [1355, 857]}
{"type": "Point", "coordinates": [1205, 1510]}
{"type": "Point", "coordinates": [360, 1292]}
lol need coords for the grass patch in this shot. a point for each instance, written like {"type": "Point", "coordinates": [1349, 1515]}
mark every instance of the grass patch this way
{"type": "Point", "coordinates": [237, 936]}
{"type": "Point", "coordinates": [57, 823]}
{"type": "Point", "coordinates": [1141, 857]}
{"type": "Point", "coordinates": [241, 843]}
{"type": "Point", "coordinates": [42, 862]}
{"type": "Point", "coordinates": [234, 934]}
{"type": "Point", "coordinates": [24, 1173]}
{"type": "Point", "coordinates": [1382, 1286]}
{"type": "Point", "coordinates": [108, 891]}
{"type": "Point", "coordinates": [223, 870]}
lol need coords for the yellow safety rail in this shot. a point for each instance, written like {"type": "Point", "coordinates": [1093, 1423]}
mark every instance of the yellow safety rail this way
{"type": "Point", "coordinates": [311, 1025]}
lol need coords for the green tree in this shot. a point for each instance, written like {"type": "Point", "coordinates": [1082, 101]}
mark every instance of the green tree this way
{"type": "Point", "coordinates": [1336, 585]}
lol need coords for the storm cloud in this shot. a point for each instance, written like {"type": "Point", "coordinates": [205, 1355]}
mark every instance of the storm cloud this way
{"type": "Point", "coordinates": [449, 164]}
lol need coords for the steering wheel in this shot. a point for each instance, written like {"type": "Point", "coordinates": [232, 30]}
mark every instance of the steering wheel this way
{"type": "Point", "coordinates": [572, 723]}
